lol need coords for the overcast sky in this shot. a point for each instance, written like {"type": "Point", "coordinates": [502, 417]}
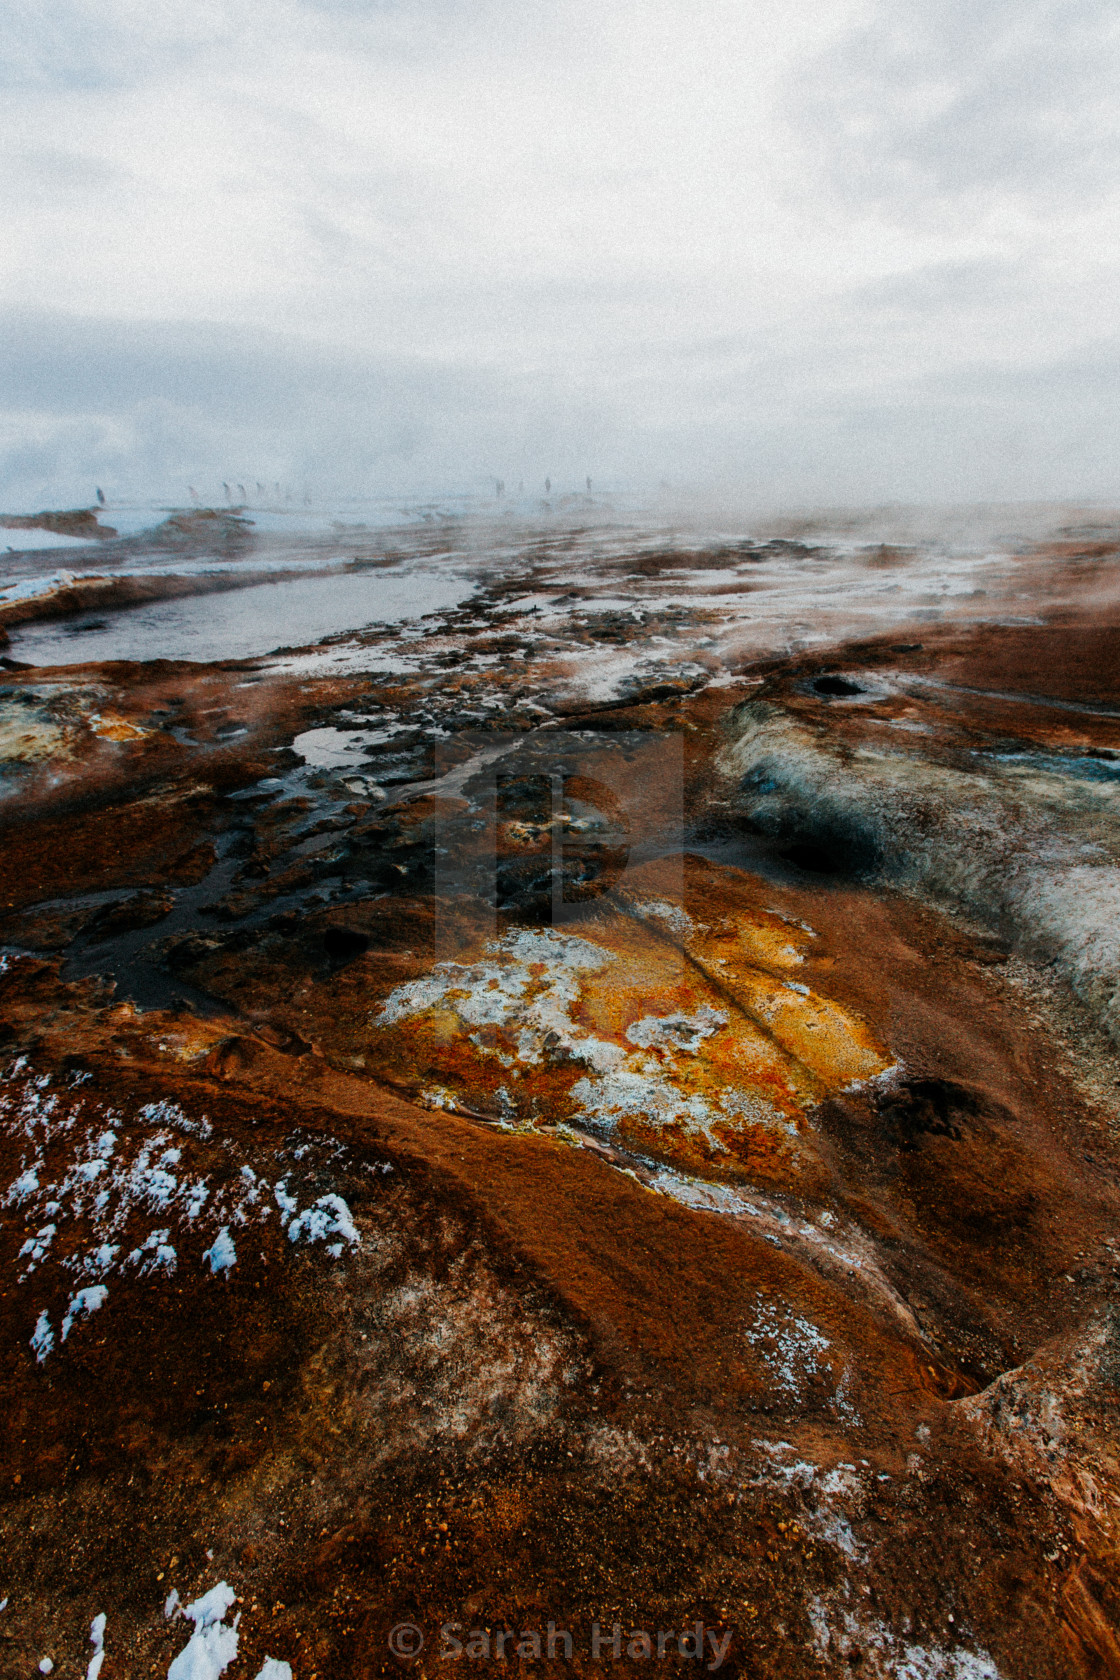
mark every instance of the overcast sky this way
{"type": "Point", "coordinates": [849, 250]}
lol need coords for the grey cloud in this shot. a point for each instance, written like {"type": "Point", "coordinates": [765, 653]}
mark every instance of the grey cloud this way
{"type": "Point", "coordinates": [46, 169]}
{"type": "Point", "coordinates": [79, 44]}
{"type": "Point", "coordinates": [952, 97]}
{"type": "Point", "coordinates": [93, 44]}
{"type": "Point", "coordinates": [151, 407]}
{"type": "Point", "coordinates": [72, 365]}
{"type": "Point", "coordinates": [993, 434]}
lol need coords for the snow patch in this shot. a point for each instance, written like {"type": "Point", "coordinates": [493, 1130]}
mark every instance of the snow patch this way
{"type": "Point", "coordinates": [83, 1305]}
{"type": "Point", "coordinates": [221, 1254]}
{"type": "Point", "coordinates": [155, 1255]}
{"type": "Point", "coordinates": [167, 1113]}
{"type": "Point", "coordinates": [886, 1657]}
{"type": "Point", "coordinates": [327, 1217]}
{"type": "Point", "coordinates": [42, 1341]}
{"type": "Point", "coordinates": [36, 1248]}
{"type": "Point", "coordinates": [97, 1640]}
{"type": "Point", "coordinates": [213, 1646]}
{"type": "Point", "coordinates": [789, 1346]}
{"type": "Point", "coordinates": [102, 1175]}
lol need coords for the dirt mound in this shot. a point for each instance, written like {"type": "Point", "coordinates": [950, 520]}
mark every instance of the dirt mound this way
{"type": "Point", "coordinates": [75, 522]}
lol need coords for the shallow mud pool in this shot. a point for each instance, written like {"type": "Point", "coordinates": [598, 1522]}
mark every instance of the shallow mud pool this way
{"type": "Point", "coordinates": [561, 1069]}
{"type": "Point", "coordinates": [250, 620]}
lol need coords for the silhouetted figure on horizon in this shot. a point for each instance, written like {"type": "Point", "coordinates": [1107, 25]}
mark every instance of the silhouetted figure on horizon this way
{"type": "Point", "coordinates": [100, 496]}
{"type": "Point", "coordinates": [548, 487]}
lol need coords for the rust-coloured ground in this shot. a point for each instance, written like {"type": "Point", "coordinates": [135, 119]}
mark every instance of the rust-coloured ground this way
{"type": "Point", "coordinates": [843, 1384]}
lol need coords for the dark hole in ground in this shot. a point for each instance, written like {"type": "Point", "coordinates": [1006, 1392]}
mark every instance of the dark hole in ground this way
{"type": "Point", "coordinates": [835, 687]}
{"type": "Point", "coordinates": [814, 858]}
{"type": "Point", "coordinates": [819, 841]}
{"type": "Point", "coordinates": [821, 848]}
{"type": "Point", "coordinates": [341, 943]}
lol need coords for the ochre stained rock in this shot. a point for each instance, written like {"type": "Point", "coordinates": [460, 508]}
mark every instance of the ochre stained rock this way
{"type": "Point", "coordinates": [687, 1042]}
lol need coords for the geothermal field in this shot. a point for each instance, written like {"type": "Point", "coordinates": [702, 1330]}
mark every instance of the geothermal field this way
{"type": "Point", "coordinates": [559, 1093]}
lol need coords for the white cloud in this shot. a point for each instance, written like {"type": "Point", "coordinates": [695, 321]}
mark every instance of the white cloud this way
{"type": "Point", "coordinates": [948, 99]}
{"type": "Point", "coordinates": [421, 242]}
